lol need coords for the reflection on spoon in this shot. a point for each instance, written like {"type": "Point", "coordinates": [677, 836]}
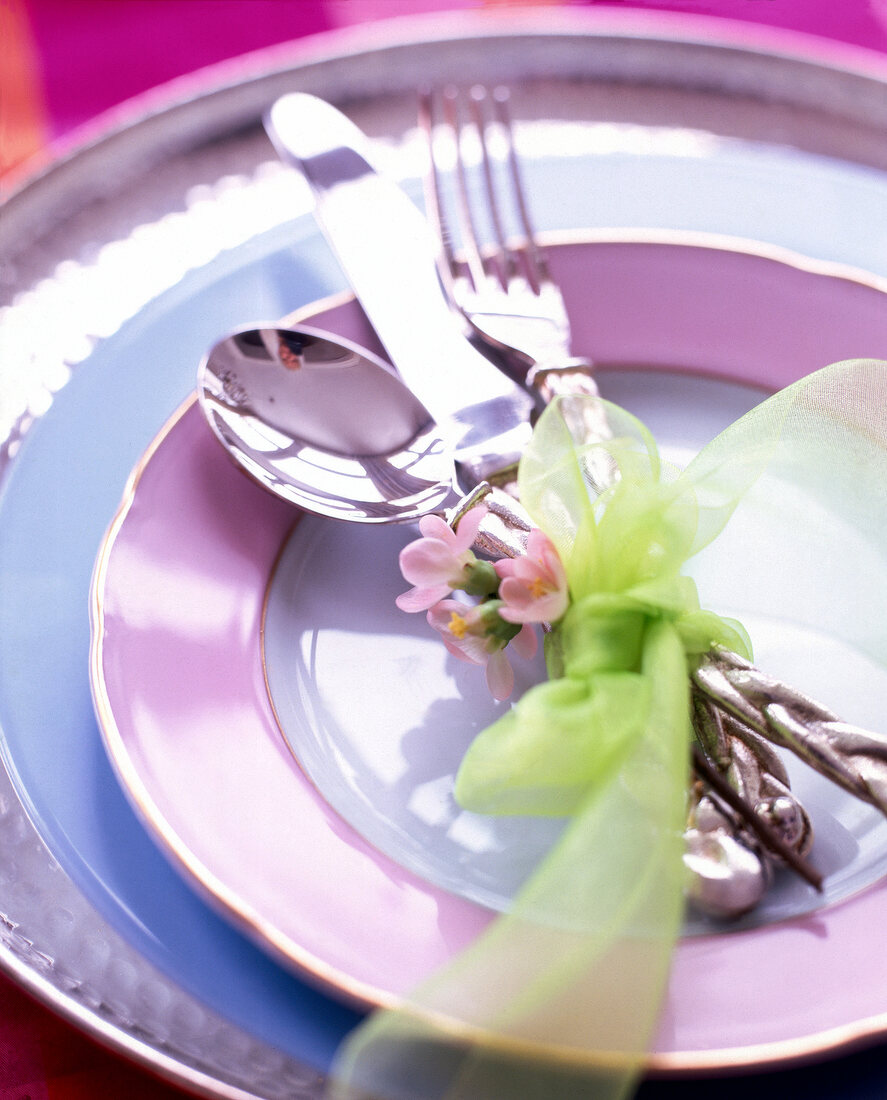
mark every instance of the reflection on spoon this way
{"type": "Point", "coordinates": [325, 424]}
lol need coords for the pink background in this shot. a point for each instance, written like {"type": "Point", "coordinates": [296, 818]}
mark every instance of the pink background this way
{"type": "Point", "coordinates": [90, 55]}
{"type": "Point", "coordinates": [96, 53]}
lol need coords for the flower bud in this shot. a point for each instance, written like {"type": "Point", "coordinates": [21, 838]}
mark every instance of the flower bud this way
{"type": "Point", "coordinates": [494, 626]}
{"type": "Point", "coordinates": [480, 578]}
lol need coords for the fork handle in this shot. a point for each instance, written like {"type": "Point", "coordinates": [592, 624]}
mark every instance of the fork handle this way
{"type": "Point", "coordinates": [571, 376]}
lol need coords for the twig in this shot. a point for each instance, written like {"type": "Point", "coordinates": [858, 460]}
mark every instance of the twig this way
{"type": "Point", "coordinates": [769, 837]}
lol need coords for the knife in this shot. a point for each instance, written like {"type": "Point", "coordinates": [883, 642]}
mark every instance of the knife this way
{"type": "Point", "coordinates": [386, 250]}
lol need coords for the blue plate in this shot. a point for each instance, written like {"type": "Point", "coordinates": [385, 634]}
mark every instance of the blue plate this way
{"type": "Point", "coordinates": [68, 478]}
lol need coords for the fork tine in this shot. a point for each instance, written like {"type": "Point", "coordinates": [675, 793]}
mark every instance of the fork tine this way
{"type": "Point", "coordinates": [537, 266]}
{"type": "Point", "coordinates": [434, 202]}
{"type": "Point", "coordinates": [506, 257]}
{"type": "Point", "coordinates": [431, 124]}
{"type": "Point", "coordinates": [504, 262]}
{"type": "Point", "coordinates": [467, 228]}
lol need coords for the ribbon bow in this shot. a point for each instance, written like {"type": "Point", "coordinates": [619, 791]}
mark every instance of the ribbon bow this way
{"type": "Point", "coordinates": [561, 996]}
{"type": "Point", "coordinates": [623, 544]}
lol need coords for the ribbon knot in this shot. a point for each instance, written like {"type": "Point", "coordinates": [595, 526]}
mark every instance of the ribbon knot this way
{"type": "Point", "coordinates": [561, 995]}
{"type": "Point", "coordinates": [623, 544]}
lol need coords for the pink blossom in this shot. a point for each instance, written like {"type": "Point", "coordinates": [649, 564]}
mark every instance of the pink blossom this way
{"type": "Point", "coordinates": [467, 632]}
{"type": "Point", "coordinates": [534, 586]}
{"type": "Point", "coordinates": [435, 563]}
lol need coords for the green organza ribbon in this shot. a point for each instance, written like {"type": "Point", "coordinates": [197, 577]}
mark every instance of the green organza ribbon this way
{"type": "Point", "coordinates": [623, 551]}
{"type": "Point", "coordinates": [560, 997]}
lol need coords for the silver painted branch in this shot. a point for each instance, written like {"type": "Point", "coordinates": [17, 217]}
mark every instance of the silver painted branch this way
{"type": "Point", "coordinates": [728, 872]}
{"type": "Point", "coordinates": [854, 758]}
{"type": "Point", "coordinates": [730, 869]}
{"type": "Point", "coordinates": [754, 769]}
{"type": "Point", "coordinates": [504, 529]}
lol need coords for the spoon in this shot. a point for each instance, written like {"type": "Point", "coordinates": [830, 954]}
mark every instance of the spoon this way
{"type": "Point", "coordinates": [327, 425]}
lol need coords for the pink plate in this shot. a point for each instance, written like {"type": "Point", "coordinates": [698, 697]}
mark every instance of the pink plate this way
{"type": "Point", "coordinates": [180, 689]}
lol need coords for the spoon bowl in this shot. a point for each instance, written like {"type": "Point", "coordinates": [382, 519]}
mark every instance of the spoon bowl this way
{"type": "Point", "coordinates": [325, 424]}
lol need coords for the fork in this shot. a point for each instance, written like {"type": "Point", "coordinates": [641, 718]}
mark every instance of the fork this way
{"type": "Point", "coordinates": [516, 313]}
{"type": "Point", "coordinates": [504, 289]}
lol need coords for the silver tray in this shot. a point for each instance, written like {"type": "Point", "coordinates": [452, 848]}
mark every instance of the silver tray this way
{"type": "Point", "coordinates": [203, 137]}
